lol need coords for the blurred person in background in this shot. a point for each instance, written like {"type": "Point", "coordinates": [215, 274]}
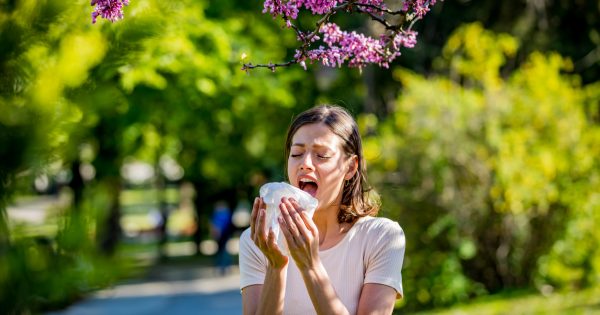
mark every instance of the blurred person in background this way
{"type": "Point", "coordinates": [221, 229]}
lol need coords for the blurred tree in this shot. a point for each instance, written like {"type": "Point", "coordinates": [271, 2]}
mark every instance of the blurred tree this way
{"type": "Point", "coordinates": [164, 82]}
{"type": "Point", "coordinates": [479, 169]}
{"type": "Point", "coordinates": [187, 69]}
{"type": "Point", "coordinates": [37, 67]}
{"type": "Point", "coordinates": [567, 27]}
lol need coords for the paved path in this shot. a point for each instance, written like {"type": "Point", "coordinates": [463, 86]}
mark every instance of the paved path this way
{"type": "Point", "coordinates": [174, 296]}
{"type": "Point", "coordinates": [167, 289]}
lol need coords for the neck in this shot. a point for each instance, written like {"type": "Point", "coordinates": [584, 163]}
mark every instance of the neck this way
{"type": "Point", "coordinates": [327, 223]}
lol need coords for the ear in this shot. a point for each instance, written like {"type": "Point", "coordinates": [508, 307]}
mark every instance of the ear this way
{"type": "Point", "coordinates": [352, 167]}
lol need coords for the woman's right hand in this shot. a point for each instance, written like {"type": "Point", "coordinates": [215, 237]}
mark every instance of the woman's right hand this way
{"type": "Point", "coordinates": [265, 240]}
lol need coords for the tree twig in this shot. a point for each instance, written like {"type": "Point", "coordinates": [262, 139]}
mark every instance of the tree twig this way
{"type": "Point", "coordinates": [270, 65]}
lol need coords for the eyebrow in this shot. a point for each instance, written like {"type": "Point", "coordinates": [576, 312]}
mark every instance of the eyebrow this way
{"type": "Point", "coordinates": [302, 145]}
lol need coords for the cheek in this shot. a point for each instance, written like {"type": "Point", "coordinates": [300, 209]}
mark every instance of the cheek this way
{"type": "Point", "coordinates": [290, 168]}
{"type": "Point", "coordinates": [334, 174]}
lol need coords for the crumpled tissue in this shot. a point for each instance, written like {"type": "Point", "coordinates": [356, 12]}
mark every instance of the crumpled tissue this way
{"type": "Point", "coordinates": [271, 194]}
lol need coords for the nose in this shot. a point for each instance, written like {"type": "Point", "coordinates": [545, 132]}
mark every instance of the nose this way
{"type": "Point", "coordinates": [306, 163]}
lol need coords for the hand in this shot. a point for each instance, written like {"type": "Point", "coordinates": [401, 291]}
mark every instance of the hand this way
{"type": "Point", "coordinates": [300, 232]}
{"type": "Point", "coordinates": [265, 242]}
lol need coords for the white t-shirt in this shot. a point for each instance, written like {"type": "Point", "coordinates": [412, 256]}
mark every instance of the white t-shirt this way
{"type": "Point", "coordinates": [371, 252]}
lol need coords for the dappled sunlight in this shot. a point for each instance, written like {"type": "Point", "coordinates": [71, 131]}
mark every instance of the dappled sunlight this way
{"type": "Point", "coordinates": [131, 152]}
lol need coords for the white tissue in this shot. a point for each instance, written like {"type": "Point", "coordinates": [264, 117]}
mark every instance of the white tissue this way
{"type": "Point", "coordinates": [272, 194]}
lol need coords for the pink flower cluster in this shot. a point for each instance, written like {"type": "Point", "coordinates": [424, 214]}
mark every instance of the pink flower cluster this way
{"type": "Point", "coordinates": [420, 7]}
{"type": "Point", "coordinates": [290, 8]}
{"type": "Point", "coordinates": [358, 49]}
{"type": "Point", "coordinates": [111, 10]}
{"type": "Point", "coordinates": [352, 47]}
{"type": "Point", "coordinates": [406, 39]}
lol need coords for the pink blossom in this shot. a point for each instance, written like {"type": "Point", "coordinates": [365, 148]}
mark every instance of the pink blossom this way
{"type": "Point", "coordinates": [406, 39]}
{"type": "Point", "coordinates": [338, 46]}
{"type": "Point", "coordinates": [420, 7]}
{"type": "Point", "coordinates": [287, 9]}
{"type": "Point", "coordinates": [358, 49]}
{"type": "Point", "coordinates": [111, 10]}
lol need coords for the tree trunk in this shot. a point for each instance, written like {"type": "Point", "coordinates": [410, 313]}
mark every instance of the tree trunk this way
{"type": "Point", "coordinates": [201, 218]}
{"type": "Point", "coordinates": [164, 212]}
{"type": "Point", "coordinates": [4, 232]}
{"type": "Point", "coordinates": [76, 184]}
{"type": "Point", "coordinates": [110, 230]}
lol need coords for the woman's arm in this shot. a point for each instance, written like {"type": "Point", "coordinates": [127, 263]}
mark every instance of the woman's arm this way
{"type": "Point", "coordinates": [268, 297]}
{"type": "Point", "coordinates": [321, 292]}
{"type": "Point", "coordinates": [265, 298]}
{"type": "Point", "coordinates": [302, 237]}
{"type": "Point", "coordinates": [376, 299]}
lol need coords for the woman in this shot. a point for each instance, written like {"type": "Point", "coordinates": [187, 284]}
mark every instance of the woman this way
{"type": "Point", "coordinates": [343, 260]}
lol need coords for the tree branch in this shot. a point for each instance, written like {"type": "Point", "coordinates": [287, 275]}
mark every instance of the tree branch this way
{"type": "Point", "coordinates": [388, 11]}
{"type": "Point", "coordinates": [270, 65]}
{"type": "Point", "coordinates": [382, 21]}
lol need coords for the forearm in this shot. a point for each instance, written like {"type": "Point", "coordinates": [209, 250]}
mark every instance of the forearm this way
{"type": "Point", "coordinates": [321, 292]}
{"type": "Point", "coordinates": [273, 292]}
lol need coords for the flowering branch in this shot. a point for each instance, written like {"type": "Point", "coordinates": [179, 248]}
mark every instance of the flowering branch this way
{"type": "Point", "coordinates": [337, 47]}
{"type": "Point", "coordinates": [111, 10]}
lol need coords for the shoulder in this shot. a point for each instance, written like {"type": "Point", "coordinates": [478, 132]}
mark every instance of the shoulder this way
{"type": "Point", "coordinates": [245, 234]}
{"type": "Point", "coordinates": [246, 243]}
{"type": "Point", "coordinates": [377, 225]}
{"type": "Point", "coordinates": [248, 250]}
{"type": "Point", "coordinates": [378, 229]}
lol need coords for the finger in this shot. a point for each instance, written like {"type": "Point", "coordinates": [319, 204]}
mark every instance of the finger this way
{"type": "Point", "coordinates": [272, 242]}
{"type": "Point", "coordinates": [304, 216]}
{"type": "Point", "coordinates": [309, 224]}
{"type": "Point", "coordinates": [299, 222]}
{"type": "Point", "coordinates": [253, 217]}
{"type": "Point", "coordinates": [260, 234]}
{"type": "Point", "coordinates": [262, 204]}
{"type": "Point", "coordinates": [286, 211]}
{"type": "Point", "coordinates": [262, 209]}
{"type": "Point", "coordinates": [285, 229]}
{"type": "Point", "coordinates": [263, 223]}
{"type": "Point", "coordinates": [296, 204]}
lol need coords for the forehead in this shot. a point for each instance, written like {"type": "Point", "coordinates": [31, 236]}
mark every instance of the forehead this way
{"type": "Point", "coordinates": [317, 134]}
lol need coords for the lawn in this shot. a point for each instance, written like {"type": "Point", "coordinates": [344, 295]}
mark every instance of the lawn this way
{"type": "Point", "coordinates": [567, 303]}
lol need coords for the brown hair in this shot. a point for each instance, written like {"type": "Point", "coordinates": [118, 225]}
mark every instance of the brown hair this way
{"type": "Point", "coordinates": [356, 194]}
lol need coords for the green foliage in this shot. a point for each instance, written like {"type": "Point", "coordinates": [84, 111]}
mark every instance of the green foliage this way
{"type": "Point", "coordinates": [526, 303]}
{"type": "Point", "coordinates": [38, 273]}
{"type": "Point", "coordinates": [487, 173]}
{"type": "Point", "coordinates": [488, 167]}
{"type": "Point", "coordinates": [166, 81]}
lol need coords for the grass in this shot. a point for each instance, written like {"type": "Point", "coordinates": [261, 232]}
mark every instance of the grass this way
{"type": "Point", "coordinates": [567, 303]}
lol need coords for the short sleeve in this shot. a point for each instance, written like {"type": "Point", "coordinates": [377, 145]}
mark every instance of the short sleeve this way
{"type": "Point", "coordinates": [252, 262]}
{"type": "Point", "coordinates": [385, 256]}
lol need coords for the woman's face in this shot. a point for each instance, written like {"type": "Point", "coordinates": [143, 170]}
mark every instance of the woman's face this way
{"type": "Point", "coordinates": [317, 163]}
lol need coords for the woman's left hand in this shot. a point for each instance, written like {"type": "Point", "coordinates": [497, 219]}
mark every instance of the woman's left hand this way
{"type": "Point", "coordinates": [300, 232]}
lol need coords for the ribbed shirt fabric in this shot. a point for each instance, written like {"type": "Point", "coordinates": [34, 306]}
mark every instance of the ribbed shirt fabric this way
{"type": "Point", "coordinates": [371, 252]}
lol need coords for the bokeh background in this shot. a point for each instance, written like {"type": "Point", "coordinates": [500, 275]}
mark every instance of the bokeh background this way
{"type": "Point", "coordinates": [122, 143]}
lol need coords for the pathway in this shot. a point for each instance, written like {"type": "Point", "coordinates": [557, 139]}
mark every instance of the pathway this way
{"type": "Point", "coordinates": [169, 293]}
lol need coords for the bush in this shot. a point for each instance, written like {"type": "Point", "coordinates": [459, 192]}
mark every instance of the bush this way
{"type": "Point", "coordinates": [487, 174]}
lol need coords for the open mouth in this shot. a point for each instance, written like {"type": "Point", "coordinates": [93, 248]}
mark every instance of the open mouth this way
{"type": "Point", "coordinates": [308, 186]}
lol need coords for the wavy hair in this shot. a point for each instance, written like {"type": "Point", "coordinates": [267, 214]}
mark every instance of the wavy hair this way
{"type": "Point", "coordinates": [358, 197]}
